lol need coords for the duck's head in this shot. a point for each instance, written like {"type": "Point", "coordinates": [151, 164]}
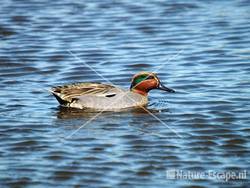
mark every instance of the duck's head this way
{"type": "Point", "coordinates": [143, 82]}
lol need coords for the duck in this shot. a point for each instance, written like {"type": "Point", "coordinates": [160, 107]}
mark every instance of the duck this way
{"type": "Point", "coordinates": [107, 97]}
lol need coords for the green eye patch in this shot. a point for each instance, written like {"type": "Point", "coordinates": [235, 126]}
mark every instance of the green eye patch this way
{"type": "Point", "coordinates": [140, 78]}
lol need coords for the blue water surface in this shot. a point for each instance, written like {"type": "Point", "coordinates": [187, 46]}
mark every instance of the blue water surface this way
{"type": "Point", "coordinates": [199, 48]}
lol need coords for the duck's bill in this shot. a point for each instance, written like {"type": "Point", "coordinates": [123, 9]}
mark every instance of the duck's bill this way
{"type": "Point", "coordinates": [164, 88]}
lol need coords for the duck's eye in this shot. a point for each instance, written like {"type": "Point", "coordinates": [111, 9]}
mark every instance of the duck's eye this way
{"type": "Point", "coordinates": [150, 77]}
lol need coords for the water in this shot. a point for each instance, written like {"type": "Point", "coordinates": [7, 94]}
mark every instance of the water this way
{"type": "Point", "coordinates": [199, 48]}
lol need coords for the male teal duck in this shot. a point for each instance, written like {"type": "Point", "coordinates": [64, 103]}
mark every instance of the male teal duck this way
{"type": "Point", "coordinates": [105, 97]}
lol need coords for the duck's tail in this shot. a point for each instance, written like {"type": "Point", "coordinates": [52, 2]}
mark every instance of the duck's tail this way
{"type": "Point", "coordinates": [59, 97]}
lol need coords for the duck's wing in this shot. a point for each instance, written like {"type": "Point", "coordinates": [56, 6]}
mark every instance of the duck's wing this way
{"type": "Point", "coordinates": [67, 93]}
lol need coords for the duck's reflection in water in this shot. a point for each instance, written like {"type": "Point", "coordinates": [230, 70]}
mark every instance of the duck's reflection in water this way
{"type": "Point", "coordinates": [140, 120]}
{"type": "Point", "coordinates": [69, 113]}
